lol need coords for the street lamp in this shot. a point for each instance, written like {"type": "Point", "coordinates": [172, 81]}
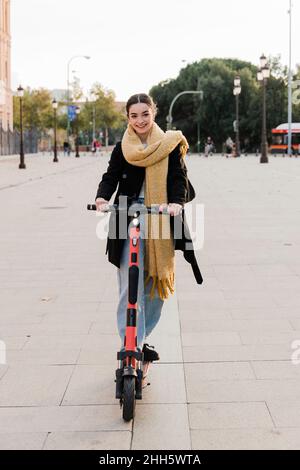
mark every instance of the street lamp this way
{"type": "Point", "coordinates": [290, 102]}
{"type": "Point", "coordinates": [93, 98]}
{"type": "Point", "coordinates": [262, 76]}
{"type": "Point", "coordinates": [77, 131]}
{"type": "Point", "coordinates": [22, 156]}
{"type": "Point", "coordinates": [68, 89]}
{"type": "Point", "coordinates": [199, 110]}
{"type": "Point", "coordinates": [237, 91]}
{"type": "Point", "coordinates": [169, 118]}
{"type": "Point", "coordinates": [54, 106]}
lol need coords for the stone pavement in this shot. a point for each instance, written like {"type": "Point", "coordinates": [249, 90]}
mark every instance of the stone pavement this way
{"type": "Point", "coordinates": [225, 379]}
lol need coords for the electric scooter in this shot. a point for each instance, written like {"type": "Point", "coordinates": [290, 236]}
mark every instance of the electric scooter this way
{"type": "Point", "coordinates": [129, 375]}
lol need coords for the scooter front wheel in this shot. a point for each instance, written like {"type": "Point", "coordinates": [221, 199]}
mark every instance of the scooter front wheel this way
{"type": "Point", "coordinates": [128, 398]}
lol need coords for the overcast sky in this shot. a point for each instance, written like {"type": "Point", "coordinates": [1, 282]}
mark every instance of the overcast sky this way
{"type": "Point", "coordinates": [136, 44]}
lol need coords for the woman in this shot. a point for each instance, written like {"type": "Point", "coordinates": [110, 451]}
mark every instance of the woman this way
{"type": "Point", "coordinates": [148, 168]}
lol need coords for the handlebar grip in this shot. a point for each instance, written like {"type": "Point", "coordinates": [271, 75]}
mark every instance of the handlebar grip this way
{"type": "Point", "coordinates": [150, 210]}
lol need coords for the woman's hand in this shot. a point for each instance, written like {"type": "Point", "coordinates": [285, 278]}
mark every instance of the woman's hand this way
{"type": "Point", "coordinates": [101, 204]}
{"type": "Point", "coordinates": [173, 208]}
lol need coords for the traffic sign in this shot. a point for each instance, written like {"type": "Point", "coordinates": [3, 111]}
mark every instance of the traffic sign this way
{"type": "Point", "coordinates": [72, 112]}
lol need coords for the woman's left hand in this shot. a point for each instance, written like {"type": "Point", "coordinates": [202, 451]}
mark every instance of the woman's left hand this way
{"type": "Point", "coordinates": [173, 208]}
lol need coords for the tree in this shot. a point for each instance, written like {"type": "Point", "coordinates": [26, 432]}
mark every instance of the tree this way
{"type": "Point", "coordinates": [37, 110]}
{"type": "Point", "coordinates": [216, 112]}
{"type": "Point", "coordinates": [102, 103]}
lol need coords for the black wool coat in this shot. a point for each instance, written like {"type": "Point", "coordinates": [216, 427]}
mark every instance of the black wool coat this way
{"type": "Point", "coordinates": [128, 180]}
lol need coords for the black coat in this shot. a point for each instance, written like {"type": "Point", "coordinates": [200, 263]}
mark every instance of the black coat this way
{"type": "Point", "coordinates": [129, 179]}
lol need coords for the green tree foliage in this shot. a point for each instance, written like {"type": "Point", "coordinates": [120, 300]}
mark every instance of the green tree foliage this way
{"type": "Point", "coordinates": [37, 110]}
{"type": "Point", "coordinates": [217, 111]}
{"type": "Point", "coordinates": [106, 113]}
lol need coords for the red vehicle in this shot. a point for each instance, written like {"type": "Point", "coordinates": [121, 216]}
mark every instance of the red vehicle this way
{"type": "Point", "coordinates": [280, 139]}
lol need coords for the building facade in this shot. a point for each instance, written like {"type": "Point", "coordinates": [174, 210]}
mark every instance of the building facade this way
{"type": "Point", "coordinates": [6, 100]}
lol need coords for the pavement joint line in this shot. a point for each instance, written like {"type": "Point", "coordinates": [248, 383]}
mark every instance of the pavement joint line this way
{"type": "Point", "coordinates": [240, 428]}
{"type": "Point", "coordinates": [2, 377]}
{"type": "Point", "coordinates": [253, 370]}
{"type": "Point", "coordinates": [273, 421]}
{"type": "Point", "coordinates": [132, 434]}
{"type": "Point", "coordinates": [226, 402]}
{"type": "Point", "coordinates": [97, 405]}
{"type": "Point", "coordinates": [90, 431]}
{"type": "Point", "coordinates": [21, 364]}
{"type": "Point", "coordinates": [162, 403]}
{"type": "Point", "coordinates": [26, 342]}
{"type": "Point", "coordinates": [46, 438]}
{"type": "Point", "coordinates": [70, 378]}
{"type": "Point", "coordinates": [78, 356]}
{"type": "Point", "coordinates": [245, 361]}
{"type": "Point", "coordinates": [85, 405]}
{"type": "Point", "coordinates": [33, 180]}
{"type": "Point", "coordinates": [88, 405]}
{"type": "Point", "coordinates": [184, 371]}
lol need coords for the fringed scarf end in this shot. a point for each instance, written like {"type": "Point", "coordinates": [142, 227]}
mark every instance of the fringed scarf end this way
{"type": "Point", "coordinates": [164, 287]}
{"type": "Point", "coordinates": [183, 150]}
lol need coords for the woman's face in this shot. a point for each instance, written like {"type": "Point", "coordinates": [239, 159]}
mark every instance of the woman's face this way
{"type": "Point", "coordinates": [141, 118]}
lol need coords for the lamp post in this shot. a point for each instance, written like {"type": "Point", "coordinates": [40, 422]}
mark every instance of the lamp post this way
{"type": "Point", "coordinates": [77, 131]}
{"type": "Point", "coordinates": [22, 156]}
{"type": "Point", "coordinates": [68, 90]}
{"type": "Point", "coordinates": [93, 98]}
{"type": "Point", "coordinates": [54, 106]}
{"type": "Point", "coordinates": [170, 117]}
{"type": "Point", "coordinates": [262, 76]}
{"type": "Point", "coordinates": [237, 91]}
{"type": "Point", "coordinates": [199, 109]}
{"type": "Point", "coordinates": [290, 104]}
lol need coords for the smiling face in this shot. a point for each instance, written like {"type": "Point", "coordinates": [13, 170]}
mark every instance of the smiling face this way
{"type": "Point", "coordinates": [141, 117]}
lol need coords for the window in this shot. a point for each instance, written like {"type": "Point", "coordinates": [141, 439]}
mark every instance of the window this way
{"type": "Point", "coordinates": [277, 139]}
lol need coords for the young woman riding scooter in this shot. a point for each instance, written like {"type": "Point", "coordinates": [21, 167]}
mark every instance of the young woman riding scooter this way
{"type": "Point", "coordinates": [148, 168]}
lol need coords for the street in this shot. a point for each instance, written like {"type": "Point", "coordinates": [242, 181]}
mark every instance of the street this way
{"type": "Point", "coordinates": [226, 379]}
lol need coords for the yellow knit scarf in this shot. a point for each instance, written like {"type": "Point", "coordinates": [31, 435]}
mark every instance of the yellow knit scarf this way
{"type": "Point", "coordinates": [159, 262]}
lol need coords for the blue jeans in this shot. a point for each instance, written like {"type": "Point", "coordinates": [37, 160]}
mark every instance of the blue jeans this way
{"type": "Point", "coordinates": [149, 311]}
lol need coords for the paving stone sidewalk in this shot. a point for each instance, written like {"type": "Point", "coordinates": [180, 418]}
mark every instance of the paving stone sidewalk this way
{"type": "Point", "coordinates": [225, 379]}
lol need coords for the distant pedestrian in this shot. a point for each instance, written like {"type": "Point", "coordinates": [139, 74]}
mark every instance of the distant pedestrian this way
{"type": "Point", "coordinates": [209, 147]}
{"type": "Point", "coordinates": [66, 148]}
{"type": "Point", "coordinates": [98, 145]}
{"type": "Point", "coordinates": [229, 146]}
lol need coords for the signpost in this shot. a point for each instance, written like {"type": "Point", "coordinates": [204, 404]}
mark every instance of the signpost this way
{"type": "Point", "coordinates": [72, 113]}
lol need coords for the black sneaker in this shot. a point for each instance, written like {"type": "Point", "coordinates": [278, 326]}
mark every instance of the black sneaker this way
{"type": "Point", "coordinates": [150, 355]}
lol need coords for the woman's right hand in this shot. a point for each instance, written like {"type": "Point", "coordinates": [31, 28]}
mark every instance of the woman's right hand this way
{"type": "Point", "coordinates": [101, 204]}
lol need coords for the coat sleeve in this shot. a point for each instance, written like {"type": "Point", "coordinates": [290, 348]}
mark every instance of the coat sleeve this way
{"type": "Point", "coordinates": [111, 178]}
{"type": "Point", "coordinates": [177, 178]}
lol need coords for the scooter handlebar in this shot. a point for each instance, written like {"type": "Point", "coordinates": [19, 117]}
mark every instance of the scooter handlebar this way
{"type": "Point", "coordinates": [114, 207]}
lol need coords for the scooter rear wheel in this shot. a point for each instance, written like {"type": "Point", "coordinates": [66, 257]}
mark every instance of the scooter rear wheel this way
{"type": "Point", "coordinates": [128, 398]}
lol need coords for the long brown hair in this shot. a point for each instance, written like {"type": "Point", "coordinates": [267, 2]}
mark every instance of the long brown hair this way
{"type": "Point", "coordinates": [141, 98]}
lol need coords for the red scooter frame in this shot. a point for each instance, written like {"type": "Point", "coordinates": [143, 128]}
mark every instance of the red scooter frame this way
{"type": "Point", "coordinates": [129, 375]}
